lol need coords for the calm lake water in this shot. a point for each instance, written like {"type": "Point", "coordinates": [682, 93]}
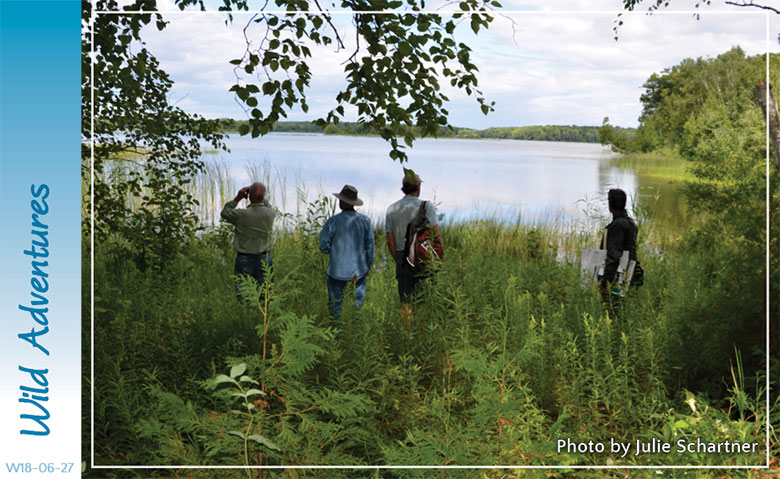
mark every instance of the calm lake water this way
{"type": "Point", "coordinates": [528, 181]}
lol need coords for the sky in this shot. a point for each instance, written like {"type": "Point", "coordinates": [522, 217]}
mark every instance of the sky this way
{"type": "Point", "coordinates": [542, 62]}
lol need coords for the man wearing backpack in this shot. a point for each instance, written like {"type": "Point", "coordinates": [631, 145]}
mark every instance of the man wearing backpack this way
{"type": "Point", "coordinates": [349, 240]}
{"type": "Point", "coordinates": [397, 220]}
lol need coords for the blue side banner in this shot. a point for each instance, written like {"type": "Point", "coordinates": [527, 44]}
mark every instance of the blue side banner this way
{"type": "Point", "coordinates": [40, 239]}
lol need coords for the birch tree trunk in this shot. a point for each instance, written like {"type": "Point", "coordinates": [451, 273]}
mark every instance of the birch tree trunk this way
{"type": "Point", "coordinates": [769, 108]}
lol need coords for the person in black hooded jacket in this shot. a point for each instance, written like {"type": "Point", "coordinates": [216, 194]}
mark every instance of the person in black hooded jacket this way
{"type": "Point", "coordinates": [621, 236]}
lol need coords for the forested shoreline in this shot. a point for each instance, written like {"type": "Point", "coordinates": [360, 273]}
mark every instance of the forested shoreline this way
{"type": "Point", "coordinates": [572, 133]}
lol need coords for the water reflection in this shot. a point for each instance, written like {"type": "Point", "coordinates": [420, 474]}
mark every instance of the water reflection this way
{"type": "Point", "coordinates": [507, 180]}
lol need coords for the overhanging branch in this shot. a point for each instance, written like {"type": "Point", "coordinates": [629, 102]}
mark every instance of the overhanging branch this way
{"type": "Point", "coordinates": [744, 3]}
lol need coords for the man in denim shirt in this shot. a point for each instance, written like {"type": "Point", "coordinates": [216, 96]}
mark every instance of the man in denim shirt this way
{"type": "Point", "coordinates": [349, 240]}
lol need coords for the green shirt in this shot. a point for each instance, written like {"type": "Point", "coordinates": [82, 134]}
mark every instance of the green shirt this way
{"type": "Point", "coordinates": [253, 226]}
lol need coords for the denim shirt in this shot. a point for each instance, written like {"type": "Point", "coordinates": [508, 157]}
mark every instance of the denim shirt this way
{"type": "Point", "coordinates": [349, 240]}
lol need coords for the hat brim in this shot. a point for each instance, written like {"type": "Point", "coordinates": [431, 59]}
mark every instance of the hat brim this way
{"type": "Point", "coordinates": [351, 201]}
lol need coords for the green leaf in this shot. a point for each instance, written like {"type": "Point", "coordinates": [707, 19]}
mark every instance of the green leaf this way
{"type": "Point", "coordinates": [475, 24]}
{"type": "Point", "coordinates": [262, 440]}
{"type": "Point", "coordinates": [235, 62]}
{"type": "Point", "coordinates": [251, 101]}
{"type": "Point", "coordinates": [253, 392]}
{"type": "Point", "coordinates": [222, 378]}
{"type": "Point", "coordinates": [237, 433]}
{"type": "Point", "coordinates": [242, 130]}
{"type": "Point", "coordinates": [237, 370]}
{"type": "Point", "coordinates": [247, 379]}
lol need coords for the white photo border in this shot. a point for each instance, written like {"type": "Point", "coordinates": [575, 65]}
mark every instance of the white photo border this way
{"type": "Point", "coordinates": [423, 12]}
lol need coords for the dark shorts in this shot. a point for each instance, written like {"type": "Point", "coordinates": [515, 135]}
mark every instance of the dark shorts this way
{"type": "Point", "coordinates": [406, 278]}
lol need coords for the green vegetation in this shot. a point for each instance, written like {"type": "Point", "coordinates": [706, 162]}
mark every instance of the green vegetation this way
{"type": "Point", "coordinates": [229, 125]}
{"type": "Point", "coordinates": [507, 354]}
{"type": "Point", "coordinates": [664, 164]}
{"type": "Point", "coordinates": [704, 113]}
{"type": "Point", "coordinates": [129, 113]}
{"type": "Point", "coordinates": [679, 99]}
{"type": "Point", "coordinates": [583, 134]}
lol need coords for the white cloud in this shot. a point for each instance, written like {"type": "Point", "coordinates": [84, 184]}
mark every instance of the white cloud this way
{"type": "Point", "coordinates": [549, 68]}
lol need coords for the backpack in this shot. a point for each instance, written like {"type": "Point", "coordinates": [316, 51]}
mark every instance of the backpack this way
{"type": "Point", "coordinates": [421, 244]}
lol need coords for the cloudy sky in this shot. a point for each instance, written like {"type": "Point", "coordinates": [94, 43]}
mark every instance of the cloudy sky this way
{"type": "Point", "coordinates": [542, 62]}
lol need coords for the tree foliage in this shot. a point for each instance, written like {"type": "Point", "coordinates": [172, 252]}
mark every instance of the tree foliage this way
{"type": "Point", "coordinates": [680, 93]}
{"type": "Point", "coordinates": [657, 4]}
{"type": "Point", "coordinates": [142, 150]}
{"type": "Point", "coordinates": [614, 136]}
{"type": "Point", "coordinates": [139, 149]}
{"type": "Point", "coordinates": [705, 109]}
{"type": "Point", "coordinates": [393, 78]}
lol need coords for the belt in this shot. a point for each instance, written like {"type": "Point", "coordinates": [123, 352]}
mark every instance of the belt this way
{"type": "Point", "coordinates": [253, 254]}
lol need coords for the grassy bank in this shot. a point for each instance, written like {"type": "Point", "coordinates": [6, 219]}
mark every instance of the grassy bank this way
{"type": "Point", "coordinates": [508, 354]}
{"type": "Point", "coordinates": [663, 165]}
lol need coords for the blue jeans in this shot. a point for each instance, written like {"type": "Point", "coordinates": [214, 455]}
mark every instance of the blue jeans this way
{"type": "Point", "coordinates": [251, 265]}
{"type": "Point", "coordinates": [336, 295]}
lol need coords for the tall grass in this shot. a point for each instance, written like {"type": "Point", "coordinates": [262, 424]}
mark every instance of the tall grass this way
{"type": "Point", "coordinates": [507, 354]}
{"type": "Point", "coordinates": [213, 188]}
{"type": "Point", "coordinates": [664, 164]}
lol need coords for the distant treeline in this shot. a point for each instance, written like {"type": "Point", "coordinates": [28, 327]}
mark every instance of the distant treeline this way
{"type": "Point", "coordinates": [585, 134]}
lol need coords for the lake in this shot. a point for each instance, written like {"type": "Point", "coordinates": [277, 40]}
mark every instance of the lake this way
{"type": "Point", "coordinates": [533, 182]}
